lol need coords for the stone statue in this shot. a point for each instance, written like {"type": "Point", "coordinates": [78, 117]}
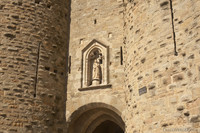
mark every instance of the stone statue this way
{"type": "Point", "coordinates": [96, 70]}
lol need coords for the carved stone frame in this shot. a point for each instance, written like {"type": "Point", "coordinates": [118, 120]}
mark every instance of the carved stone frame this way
{"type": "Point", "coordinates": [94, 44]}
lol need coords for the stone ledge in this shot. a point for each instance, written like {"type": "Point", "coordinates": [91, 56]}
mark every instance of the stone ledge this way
{"type": "Point", "coordinates": [95, 87]}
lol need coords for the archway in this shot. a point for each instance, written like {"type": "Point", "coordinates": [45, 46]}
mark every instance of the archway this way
{"type": "Point", "coordinates": [96, 118]}
{"type": "Point", "coordinates": [108, 127]}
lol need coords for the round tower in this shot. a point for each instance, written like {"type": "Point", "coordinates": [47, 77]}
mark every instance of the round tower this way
{"type": "Point", "coordinates": [162, 65]}
{"type": "Point", "coordinates": [33, 50]}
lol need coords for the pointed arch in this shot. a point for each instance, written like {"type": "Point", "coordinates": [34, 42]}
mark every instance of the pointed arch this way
{"type": "Point", "coordinates": [94, 64]}
{"type": "Point", "coordinates": [92, 115]}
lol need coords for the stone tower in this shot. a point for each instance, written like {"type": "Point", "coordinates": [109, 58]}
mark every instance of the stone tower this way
{"type": "Point", "coordinates": [33, 50]}
{"type": "Point", "coordinates": [99, 66]}
{"type": "Point", "coordinates": [162, 43]}
{"type": "Point", "coordinates": [134, 66]}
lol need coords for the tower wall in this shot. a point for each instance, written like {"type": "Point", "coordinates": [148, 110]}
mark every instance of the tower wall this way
{"type": "Point", "coordinates": [34, 39]}
{"type": "Point", "coordinates": [171, 102]}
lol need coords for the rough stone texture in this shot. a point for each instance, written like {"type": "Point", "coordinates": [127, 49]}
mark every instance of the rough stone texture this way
{"type": "Point", "coordinates": [100, 20]}
{"type": "Point", "coordinates": [24, 25]}
{"type": "Point", "coordinates": [172, 81]}
{"type": "Point", "coordinates": [172, 99]}
{"type": "Point", "coordinates": [34, 47]}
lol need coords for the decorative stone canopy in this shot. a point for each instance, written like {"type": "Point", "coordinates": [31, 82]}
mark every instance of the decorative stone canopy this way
{"type": "Point", "coordinates": [95, 64]}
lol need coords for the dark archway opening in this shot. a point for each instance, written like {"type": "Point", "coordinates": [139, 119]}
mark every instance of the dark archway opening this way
{"type": "Point", "coordinates": [108, 127]}
{"type": "Point", "coordinates": [96, 118]}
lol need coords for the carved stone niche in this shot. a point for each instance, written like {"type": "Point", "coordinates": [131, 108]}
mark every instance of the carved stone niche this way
{"type": "Point", "coordinates": [94, 65]}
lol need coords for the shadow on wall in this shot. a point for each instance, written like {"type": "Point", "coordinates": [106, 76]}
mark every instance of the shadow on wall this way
{"type": "Point", "coordinates": [96, 118]}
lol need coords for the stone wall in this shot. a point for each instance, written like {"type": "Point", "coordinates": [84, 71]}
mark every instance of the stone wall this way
{"type": "Point", "coordinates": [172, 101]}
{"type": "Point", "coordinates": [152, 45]}
{"type": "Point", "coordinates": [33, 47]}
{"type": "Point", "coordinates": [95, 21]}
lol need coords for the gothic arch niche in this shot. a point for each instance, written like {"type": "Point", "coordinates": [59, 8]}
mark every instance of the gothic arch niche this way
{"type": "Point", "coordinates": [94, 65]}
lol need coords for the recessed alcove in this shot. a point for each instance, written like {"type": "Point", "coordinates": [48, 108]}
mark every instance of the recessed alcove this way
{"type": "Point", "coordinates": [95, 66]}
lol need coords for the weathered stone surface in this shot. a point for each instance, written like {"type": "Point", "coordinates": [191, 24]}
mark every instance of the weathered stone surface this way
{"type": "Point", "coordinates": [152, 44]}
{"type": "Point", "coordinates": [24, 24]}
{"type": "Point", "coordinates": [149, 34]}
{"type": "Point", "coordinates": [95, 25]}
